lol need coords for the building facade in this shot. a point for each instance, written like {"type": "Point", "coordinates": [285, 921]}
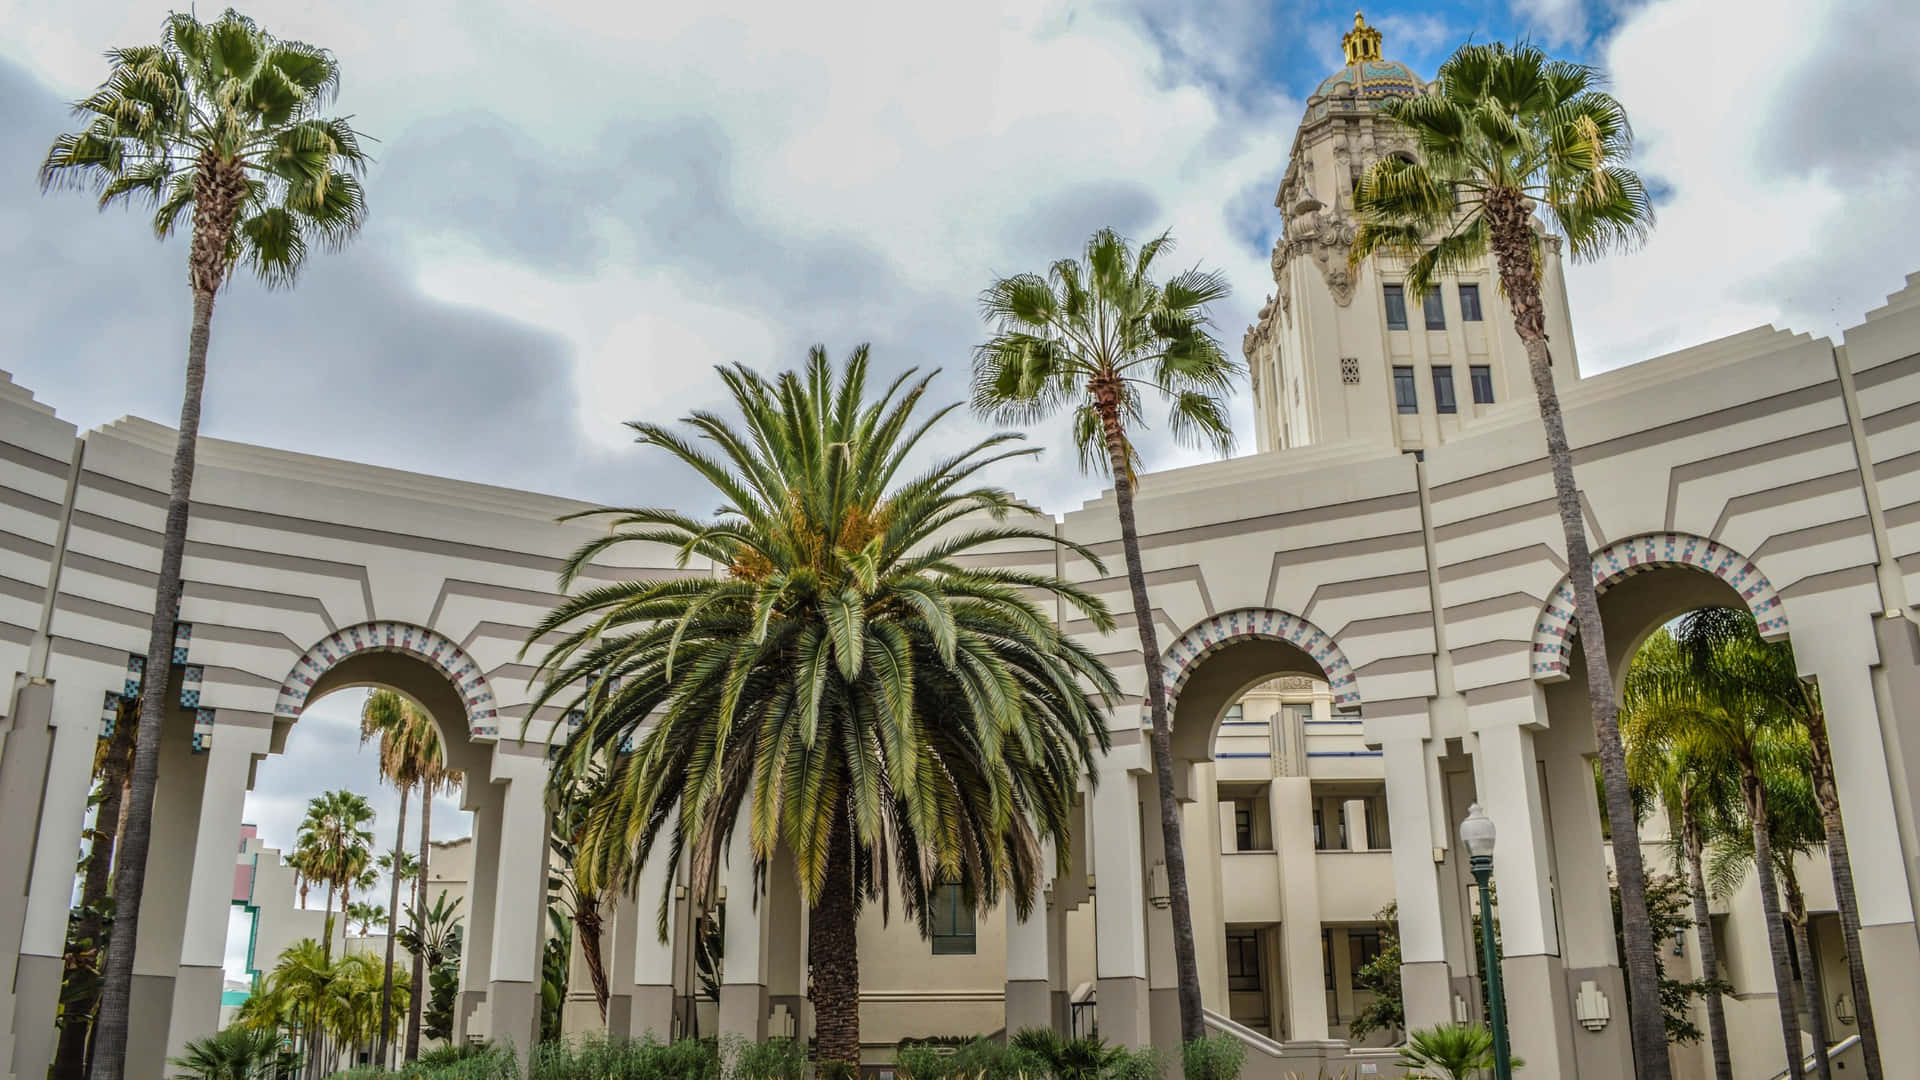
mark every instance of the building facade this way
{"type": "Point", "coordinates": [1403, 556]}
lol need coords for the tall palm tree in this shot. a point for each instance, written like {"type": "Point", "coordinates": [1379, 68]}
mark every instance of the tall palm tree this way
{"type": "Point", "coordinates": [435, 778]}
{"type": "Point", "coordinates": [336, 848]}
{"type": "Point", "coordinates": [1693, 781]}
{"type": "Point", "coordinates": [579, 895]}
{"type": "Point", "coordinates": [1718, 720]}
{"type": "Point", "coordinates": [366, 913]}
{"type": "Point", "coordinates": [221, 121]}
{"type": "Point", "coordinates": [1724, 643]}
{"type": "Point", "coordinates": [1505, 132]}
{"type": "Point", "coordinates": [1100, 335]}
{"type": "Point", "coordinates": [80, 996]}
{"type": "Point", "coordinates": [409, 746]}
{"type": "Point", "coordinates": [885, 707]}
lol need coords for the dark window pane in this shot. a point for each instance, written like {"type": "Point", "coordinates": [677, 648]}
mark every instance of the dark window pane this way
{"type": "Point", "coordinates": [1243, 962]}
{"type": "Point", "coordinates": [952, 922]}
{"type": "Point", "coordinates": [1242, 829]}
{"type": "Point", "coordinates": [1469, 303]}
{"type": "Point", "coordinates": [1443, 390]}
{"type": "Point", "coordinates": [1362, 947]}
{"type": "Point", "coordinates": [1436, 312]}
{"type": "Point", "coordinates": [1326, 956]}
{"type": "Point", "coordinates": [1396, 307]}
{"type": "Point", "coordinates": [1406, 397]}
{"type": "Point", "coordinates": [1319, 832]}
{"type": "Point", "coordinates": [1482, 376]}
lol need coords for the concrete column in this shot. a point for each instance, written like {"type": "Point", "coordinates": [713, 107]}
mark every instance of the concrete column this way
{"type": "Point", "coordinates": [1586, 910]}
{"type": "Point", "coordinates": [210, 878]}
{"type": "Point", "coordinates": [519, 899]}
{"type": "Point", "coordinates": [1059, 983]}
{"type": "Point", "coordinates": [1424, 976]}
{"type": "Point", "coordinates": [32, 961]}
{"type": "Point", "coordinates": [1119, 903]}
{"type": "Point", "coordinates": [1539, 1012]}
{"type": "Point", "coordinates": [1861, 772]}
{"type": "Point", "coordinates": [786, 964]}
{"type": "Point", "coordinates": [1354, 813]}
{"type": "Point", "coordinates": [642, 1001]}
{"type": "Point", "coordinates": [163, 904]}
{"type": "Point", "coordinates": [486, 802]}
{"type": "Point", "coordinates": [1029, 992]}
{"type": "Point", "coordinates": [1202, 822]}
{"type": "Point", "coordinates": [1291, 803]}
{"type": "Point", "coordinates": [743, 983]}
{"type": "Point", "coordinates": [1163, 982]}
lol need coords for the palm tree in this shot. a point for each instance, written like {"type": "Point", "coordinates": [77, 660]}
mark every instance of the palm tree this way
{"type": "Point", "coordinates": [1099, 334]}
{"type": "Point", "coordinates": [220, 121]}
{"type": "Point", "coordinates": [366, 913]}
{"type": "Point", "coordinates": [1504, 132]}
{"type": "Point", "coordinates": [1693, 782]}
{"type": "Point", "coordinates": [336, 848]}
{"type": "Point", "coordinates": [880, 706]}
{"type": "Point", "coordinates": [80, 996]}
{"type": "Point", "coordinates": [1450, 1052]}
{"type": "Point", "coordinates": [435, 778]}
{"type": "Point", "coordinates": [1724, 643]}
{"type": "Point", "coordinates": [326, 1004]}
{"type": "Point", "coordinates": [1720, 721]}
{"type": "Point", "coordinates": [581, 896]}
{"type": "Point", "coordinates": [409, 748]}
{"type": "Point", "coordinates": [236, 1053]}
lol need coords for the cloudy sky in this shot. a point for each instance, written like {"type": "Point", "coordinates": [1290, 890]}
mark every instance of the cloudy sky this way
{"type": "Point", "coordinates": [577, 210]}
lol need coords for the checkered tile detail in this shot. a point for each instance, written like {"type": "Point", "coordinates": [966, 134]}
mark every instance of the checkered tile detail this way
{"type": "Point", "coordinates": [1553, 634]}
{"type": "Point", "coordinates": [1216, 633]}
{"type": "Point", "coordinates": [202, 730]}
{"type": "Point", "coordinates": [182, 641]}
{"type": "Point", "coordinates": [483, 716]}
{"type": "Point", "coordinates": [191, 677]}
{"type": "Point", "coordinates": [136, 675]}
{"type": "Point", "coordinates": [110, 714]}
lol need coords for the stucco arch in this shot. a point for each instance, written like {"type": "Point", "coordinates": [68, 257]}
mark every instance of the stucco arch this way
{"type": "Point", "coordinates": [1216, 632]}
{"type": "Point", "coordinates": [419, 643]}
{"type": "Point", "coordinates": [1555, 629]}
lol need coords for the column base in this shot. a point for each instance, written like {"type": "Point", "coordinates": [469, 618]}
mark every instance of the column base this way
{"type": "Point", "coordinates": [1029, 1005]}
{"type": "Point", "coordinates": [1606, 1054]}
{"type": "Point", "coordinates": [35, 1002]}
{"type": "Point", "coordinates": [1427, 991]}
{"type": "Point", "coordinates": [1123, 1012]}
{"type": "Point", "coordinates": [1061, 1004]}
{"type": "Point", "coordinates": [149, 1014]}
{"type": "Point", "coordinates": [1893, 975]}
{"type": "Point", "coordinates": [1540, 1015]}
{"type": "Point", "coordinates": [743, 1011]}
{"type": "Point", "coordinates": [1163, 1006]}
{"type": "Point", "coordinates": [513, 1017]}
{"type": "Point", "coordinates": [796, 1008]}
{"type": "Point", "coordinates": [647, 1012]}
{"type": "Point", "coordinates": [196, 1006]}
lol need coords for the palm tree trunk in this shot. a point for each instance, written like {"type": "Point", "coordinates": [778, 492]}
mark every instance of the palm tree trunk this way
{"type": "Point", "coordinates": [1186, 967]}
{"type": "Point", "coordinates": [110, 1029]}
{"type": "Point", "coordinates": [1845, 898]}
{"type": "Point", "coordinates": [1756, 798]}
{"type": "Point", "coordinates": [833, 952]}
{"type": "Point", "coordinates": [588, 922]}
{"type": "Point", "coordinates": [1812, 996]}
{"type": "Point", "coordinates": [414, 1002]}
{"type": "Point", "coordinates": [393, 923]}
{"type": "Point", "coordinates": [1709, 949]}
{"type": "Point", "coordinates": [326, 928]}
{"type": "Point", "coordinates": [1512, 243]}
{"type": "Point", "coordinates": [70, 1057]}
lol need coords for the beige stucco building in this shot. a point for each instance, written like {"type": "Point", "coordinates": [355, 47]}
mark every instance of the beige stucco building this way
{"type": "Point", "coordinates": [1379, 590]}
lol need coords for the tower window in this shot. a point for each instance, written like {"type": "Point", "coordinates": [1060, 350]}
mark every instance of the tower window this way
{"type": "Point", "coordinates": [1469, 303]}
{"type": "Point", "coordinates": [952, 922]}
{"type": "Point", "coordinates": [1482, 376]}
{"type": "Point", "coordinates": [1242, 827]}
{"type": "Point", "coordinates": [1436, 312]}
{"type": "Point", "coordinates": [1396, 296]}
{"type": "Point", "coordinates": [1443, 390]}
{"type": "Point", "coordinates": [1406, 397]}
{"type": "Point", "coordinates": [1243, 961]}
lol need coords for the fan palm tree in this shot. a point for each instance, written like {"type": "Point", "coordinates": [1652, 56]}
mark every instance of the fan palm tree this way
{"type": "Point", "coordinates": [409, 746]}
{"type": "Point", "coordinates": [434, 779]}
{"type": "Point", "coordinates": [1100, 335]}
{"type": "Point", "coordinates": [1504, 132]}
{"type": "Point", "coordinates": [236, 1053]}
{"type": "Point", "coordinates": [1720, 721]}
{"type": "Point", "coordinates": [1693, 781]}
{"type": "Point", "coordinates": [366, 913]}
{"type": "Point", "coordinates": [880, 704]}
{"type": "Point", "coordinates": [218, 123]}
{"type": "Point", "coordinates": [1725, 644]}
{"type": "Point", "coordinates": [336, 847]}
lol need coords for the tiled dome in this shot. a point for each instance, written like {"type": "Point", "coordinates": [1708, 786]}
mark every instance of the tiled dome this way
{"type": "Point", "coordinates": [1372, 80]}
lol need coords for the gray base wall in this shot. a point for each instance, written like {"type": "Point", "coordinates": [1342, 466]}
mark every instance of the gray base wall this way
{"type": "Point", "coordinates": [1427, 991]}
{"type": "Point", "coordinates": [648, 1010]}
{"type": "Point", "coordinates": [1029, 1005]}
{"type": "Point", "coordinates": [23, 774]}
{"type": "Point", "coordinates": [196, 1007]}
{"type": "Point", "coordinates": [514, 1017]}
{"type": "Point", "coordinates": [743, 1010]}
{"type": "Point", "coordinates": [1539, 1014]}
{"type": "Point", "coordinates": [149, 1012]}
{"type": "Point", "coordinates": [36, 998]}
{"type": "Point", "coordinates": [1123, 1012]}
{"type": "Point", "coordinates": [1606, 1054]}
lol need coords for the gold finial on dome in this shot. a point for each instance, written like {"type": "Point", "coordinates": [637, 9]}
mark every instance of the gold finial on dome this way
{"type": "Point", "coordinates": [1362, 42]}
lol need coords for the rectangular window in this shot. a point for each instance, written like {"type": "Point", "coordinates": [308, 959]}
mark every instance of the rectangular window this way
{"type": "Point", "coordinates": [1362, 947]}
{"type": "Point", "coordinates": [1377, 823]}
{"type": "Point", "coordinates": [1236, 712]}
{"type": "Point", "coordinates": [1406, 397]}
{"type": "Point", "coordinates": [1469, 303]}
{"type": "Point", "coordinates": [1396, 307]}
{"type": "Point", "coordinates": [952, 922]}
{"type": "Point", "coordinates": [1243, 961]}
{"type": "Point", "coordinates": [1482, 376]}
{"type": "Point", "coordinates": [1242, 827]}
{"type": "Point", "coordinates": [1443, 389]}
{"type": "Point", "coordinates": [1319, 832]}
{"type": "Point", "coordinates": [1326, 956]}
{"type": "Point", "coordinates": [1435, 311]}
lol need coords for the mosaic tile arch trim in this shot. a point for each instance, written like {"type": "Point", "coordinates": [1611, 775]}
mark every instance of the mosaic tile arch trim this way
{"type": "Point", "coordinates": [483, 716]}
{"type": "Point", "coordinates": [1216, 632]}
{"type": "Point", "coordinates": [1554, 632]}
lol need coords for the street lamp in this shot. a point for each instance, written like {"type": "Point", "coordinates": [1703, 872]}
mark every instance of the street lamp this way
{"type": "Point", "coordinates": [1476, 835]}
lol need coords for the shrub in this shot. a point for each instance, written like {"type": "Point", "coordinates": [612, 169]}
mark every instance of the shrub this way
{"type": "Point", "coordinates": [775, 1059]}
{"type": "Point", "coordinates": [1213, 1057]}
{"type": "Point", "coordinates": [1085, 1058]}
{"type": "Point", "coordinates": [1141, 1064]}
{"type": "Point", "coordinates": [921, 1061]}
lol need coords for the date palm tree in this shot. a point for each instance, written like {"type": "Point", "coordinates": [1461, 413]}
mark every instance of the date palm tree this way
{"type": "Point", "coordinates": [1725, 644]}
{"type": "Point", "coordinates": [409, 745]}
{"type": "Point", "coordinates": [1695, 783]}
{"type": "Point", "coordinates": [852, 684]}
{"type": "Point", "coordinates": [582, 896]}
{"type": "Point", "coordinates": [1505, 132]}
{"type": "Point", "coordinates": [1100, 336]}
{"type": "Point", "coordinates": [218, 123]}
{"type": "Point", "coordinates": [336, 848]}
